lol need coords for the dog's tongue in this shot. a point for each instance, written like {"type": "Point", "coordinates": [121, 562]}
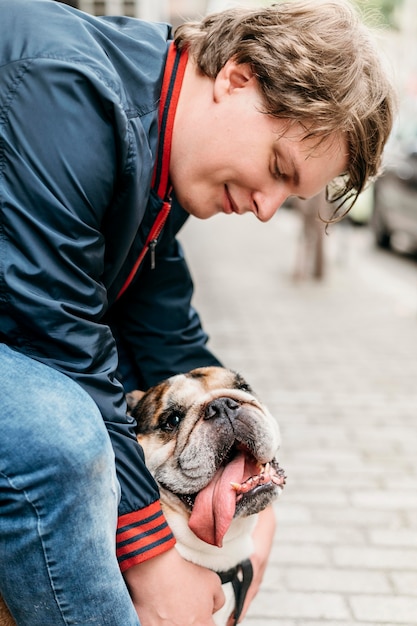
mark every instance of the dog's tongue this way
{"type": "Point", "coordinates": [215, 505]}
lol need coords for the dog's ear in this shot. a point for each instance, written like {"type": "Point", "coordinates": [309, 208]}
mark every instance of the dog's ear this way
{"type": "Point", "coordinates": [132, 399]}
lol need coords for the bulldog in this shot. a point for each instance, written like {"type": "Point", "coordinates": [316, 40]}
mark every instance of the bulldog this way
{"type": "Point", "coordinates": [211, 445]}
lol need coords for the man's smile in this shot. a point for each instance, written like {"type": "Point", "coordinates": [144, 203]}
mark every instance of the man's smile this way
{"type": "Point", "coordinates": [229, 204]}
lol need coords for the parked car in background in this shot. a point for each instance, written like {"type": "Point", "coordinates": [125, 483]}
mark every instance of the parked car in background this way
{"type": "Point", "coordinates": [394, 215]}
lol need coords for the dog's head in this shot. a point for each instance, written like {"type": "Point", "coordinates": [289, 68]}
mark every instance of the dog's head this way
{"type": "Point", "coordinates": [211, 446]}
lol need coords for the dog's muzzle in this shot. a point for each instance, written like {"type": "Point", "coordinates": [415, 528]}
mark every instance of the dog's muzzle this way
{"type": "Point", "coordinates": [238, 487]}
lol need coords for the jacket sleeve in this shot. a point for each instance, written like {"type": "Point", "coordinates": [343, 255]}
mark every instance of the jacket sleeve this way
{"type": "Point", "coordinates": [158, 330]}
{"type": "Point", "coordinates": [62, 137]}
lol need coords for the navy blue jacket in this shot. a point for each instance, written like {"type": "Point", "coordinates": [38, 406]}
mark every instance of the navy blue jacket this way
{"type": "Point", "coordinates": [78, 134]}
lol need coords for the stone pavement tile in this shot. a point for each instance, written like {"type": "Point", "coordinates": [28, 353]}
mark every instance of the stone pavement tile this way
{"type": "Point", "coordinates": [411, 517]}
{"type": "Point", "coordinates": [303, 475]}
{"type": "Point", "coordinates": [405, 583]}
{"type": "Point", "coordinates": [290, 513]}
{"type": "Point", "coordinates": [317, 496]}
{"type": "Point", "coordinates": [344, 581]}
{"type": "Point", "coordinates": [291, 554]}
{"type": "Point", "coordinates": [264, 621]}
{"type": "Point", "coordinates": [391, 609]}
{"type": "Point", "coordinates": [386, 499]}
{"type": "Point", "coordinates": [406, 537]}
{"type": "Point", "coordinates": [359, 518]}
{"type": "Point", "coordinates": [375, 558]}
{"type": "Point", "coordinates": [298, 605]}
{"type": "Point", "coordinates": [320, 534]}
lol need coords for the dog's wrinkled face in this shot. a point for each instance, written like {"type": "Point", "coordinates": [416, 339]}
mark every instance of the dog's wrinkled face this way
{"type": "Point", "coordinates": [211, 447]}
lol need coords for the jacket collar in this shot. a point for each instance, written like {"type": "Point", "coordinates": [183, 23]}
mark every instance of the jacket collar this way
{"type": "Point", "coordinates": [171, 88]}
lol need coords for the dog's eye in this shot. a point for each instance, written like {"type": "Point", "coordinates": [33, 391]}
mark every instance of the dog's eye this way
{"type": "Point", "coordinates": [240, 383]}
{"type": "Point", "coordinates": [171, 421]}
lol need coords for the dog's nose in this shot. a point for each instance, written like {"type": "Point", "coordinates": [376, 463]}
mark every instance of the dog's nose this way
{"type": "Point", "coordinates": [221, 407]}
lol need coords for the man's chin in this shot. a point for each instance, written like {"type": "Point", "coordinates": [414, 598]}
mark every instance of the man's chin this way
{"type": "Point", "coordinates": [201, 212]}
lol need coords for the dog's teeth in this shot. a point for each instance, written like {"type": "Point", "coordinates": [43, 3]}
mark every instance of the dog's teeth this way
{"type": "Point", "coordinates": [236, 486]}
{"type": "Point", "coordinates": [278, 480]}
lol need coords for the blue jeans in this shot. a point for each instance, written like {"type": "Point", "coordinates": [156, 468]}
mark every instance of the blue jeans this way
{"type": "Point", "coordinates": [58, 502]}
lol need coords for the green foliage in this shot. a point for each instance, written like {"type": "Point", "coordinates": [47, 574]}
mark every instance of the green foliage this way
{"type": "Point", "coordinates": [384, 12]}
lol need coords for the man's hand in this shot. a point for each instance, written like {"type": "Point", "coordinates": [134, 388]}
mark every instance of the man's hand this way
{"type": "Point", "coordinates": [169, 591]}
{"type": "Point", "coordinates": [263, 536]}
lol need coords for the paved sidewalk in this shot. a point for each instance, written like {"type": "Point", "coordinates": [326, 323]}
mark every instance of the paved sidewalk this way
{"type": "Point", "coordinates": [336, 362]}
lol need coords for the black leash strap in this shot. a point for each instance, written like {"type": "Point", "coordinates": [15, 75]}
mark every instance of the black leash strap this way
{"type": "Point", "coordinates": [241, 577]}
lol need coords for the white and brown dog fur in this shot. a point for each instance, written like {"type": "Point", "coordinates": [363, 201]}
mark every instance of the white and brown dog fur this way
{"type": "Point", "coordinates": [211, 446]}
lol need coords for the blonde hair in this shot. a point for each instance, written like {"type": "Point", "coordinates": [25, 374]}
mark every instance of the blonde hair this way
{"type": "Point", "coordinates": [316, 63]}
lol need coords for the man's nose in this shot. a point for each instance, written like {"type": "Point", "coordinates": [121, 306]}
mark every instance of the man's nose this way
{"type": "Point", "coordinates": [267, 204]}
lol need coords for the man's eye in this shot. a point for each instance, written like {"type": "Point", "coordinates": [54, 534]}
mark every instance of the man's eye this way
{"type": "Point", "coordinates": [171, 421]}
{"type": "Point", "coordinates": [280, 175]}
{"type": "Point", "coordinates": [276, 171]}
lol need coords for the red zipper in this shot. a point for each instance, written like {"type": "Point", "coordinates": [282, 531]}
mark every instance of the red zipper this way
{"type": "Point", "coordinates": [150, 244]}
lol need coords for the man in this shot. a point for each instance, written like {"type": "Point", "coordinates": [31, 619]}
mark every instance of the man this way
{"type": "Point", "coordinates": [104, 125]}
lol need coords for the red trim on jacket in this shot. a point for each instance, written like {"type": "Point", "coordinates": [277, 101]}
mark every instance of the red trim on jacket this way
{"type": "Point", "coordinates": [171, 87]}
{"type": "Point", "coordinates": [170, 93]}
{"type": "Point", "coordinates": [150, 240]}
{"type": "Point", "coordinates": [141, 535]}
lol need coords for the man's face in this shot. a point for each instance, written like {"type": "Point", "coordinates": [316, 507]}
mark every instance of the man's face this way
{"type": "Point", "coordinates": [232, 158]}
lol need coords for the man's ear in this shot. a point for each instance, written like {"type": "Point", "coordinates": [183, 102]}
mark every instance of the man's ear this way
{"type": "Point", "coordinates": [233, 76]}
